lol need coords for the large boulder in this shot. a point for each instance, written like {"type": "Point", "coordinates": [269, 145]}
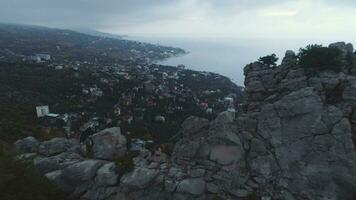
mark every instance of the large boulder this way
{"type": "Point", "coordinates": [290, 59]}
{"type": "Point", "coordinates": [82, 171]}
{"type": "Point", "coordinates": [192, 125]}
{"type": "Point", "coordinates": [58, 145]}
{"type": "Point", "coordinates": [48, 164]}
{"type": "Point", "coordinates": [343, 47]}
{"type": "Point", "coordinates": [225, 155]}
{"type": "Point", "coordinates": [107, 175]}
{"type": "Point", "coordinates": [109, 144]}
{"type": "Point", "coordinates": [195, 186]}
{"type": "Point", "coordinates": [27, 145]}
{"type": "Point", "coordinates": [139, 178]}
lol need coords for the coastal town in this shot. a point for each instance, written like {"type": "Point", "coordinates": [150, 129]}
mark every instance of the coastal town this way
{"type": "Point", "coordinates": [76, 98]}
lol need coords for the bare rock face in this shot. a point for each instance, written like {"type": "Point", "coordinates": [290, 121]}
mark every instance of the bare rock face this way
{"type": "Point", "coordinates": [301, 144]}
{"type": "Point", "coordinates": [109, 144]}
{"type": "Point", "coordinates": [192, 125]}
{"type": "Point", "coordinates": [27, 145]}
{"type": "Point", "coordinates": [140, 178]}
{"type": "Point", "coordinates": [57, 146]}
{"type": "Point", "coordinates": [82, 171]}
{"type": "Point", "coordinates": [192, 186]}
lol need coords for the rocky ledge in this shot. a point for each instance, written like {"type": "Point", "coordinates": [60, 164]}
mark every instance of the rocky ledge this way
{"type": "Point", "coordinates": [290, 140]}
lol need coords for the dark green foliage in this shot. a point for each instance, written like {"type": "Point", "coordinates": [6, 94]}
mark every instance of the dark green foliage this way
{"type": "Point", "coordinates": [125, 164]}
{"type": "Point", "coordinates": [89, 148]}
{"type": "Point", "coordinates": [217, 197]}
{"type": "Point", "coordinates": [269, 60]}
{"type": "Point", "coordinates": [20, 181]}
{"type": "Point", "coordinates": [252, 196]}
{"type": "Point", "coordinates": [318, 57]}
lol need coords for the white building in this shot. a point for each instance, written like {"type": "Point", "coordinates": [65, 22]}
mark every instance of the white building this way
{"type": "Point", "coordinates": [44, 56]}
{"type": "Point", "coordinates": [42, 111]}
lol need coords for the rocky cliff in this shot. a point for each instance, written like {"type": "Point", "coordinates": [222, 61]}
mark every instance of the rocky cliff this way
{"type": "Point", "coordinates": [291, 139]}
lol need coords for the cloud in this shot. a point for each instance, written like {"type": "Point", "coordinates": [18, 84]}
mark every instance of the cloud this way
{"type": "Point", "coordinates": [193, 18]}
{"type": "Point", "coordinates": [277, 13]}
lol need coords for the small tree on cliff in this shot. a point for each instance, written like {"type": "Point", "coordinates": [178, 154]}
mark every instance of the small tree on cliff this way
{"type": "Point", "coordinates": [269, 60]}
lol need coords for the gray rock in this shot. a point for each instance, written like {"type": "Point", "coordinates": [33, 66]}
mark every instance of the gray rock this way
{"type": "Point", "coordinates": [107, 175]}
{"type": "Point", "coordinates": [192, 186]}
{"type": "Point", "coordinates": [193, 124]}
{"type": "Point", "coordinates": [109, 144]}
{"type": "Point", "coordinates": [57, 162]}
{"type": "Point", "coordinates": [58, 145]}
{"type": "Point", "coordinates": [225, 155]}
{"type": "Point", "coordinates": [345, 48]}
{"type": "Point", "coordinates": [212, 188]}
{"type": "Point", "coordinates": [290, 58]}
{"type": "Point", "coordinates": [225, 117]}
{"type": "Point", "coordinates": [299, 102]}
{"type": "Point", "coordinates": [139, 178]}
{"type": "Point", "coordinates": [27, 145]}
{"type": "Point", "coordinates": [349, 93]}
{"type": "Point", "coordinates": [57, 178]}
{"type": "Point", "coordinates": [82, 171]}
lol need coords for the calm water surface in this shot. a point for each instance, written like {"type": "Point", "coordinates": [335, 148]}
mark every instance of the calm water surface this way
{"type": "Point", "coordinates": [226, 56]}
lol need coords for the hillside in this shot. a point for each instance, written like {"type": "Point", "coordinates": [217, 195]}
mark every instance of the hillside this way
{"type": "Point", "coordinates": [26, 40]}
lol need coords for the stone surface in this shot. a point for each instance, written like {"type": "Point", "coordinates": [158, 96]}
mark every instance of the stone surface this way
{"type": "Point", "coordinates": [82, 171]}
{"type": "Point", "coordinates": [225, 154]}
{"type": "Point", "coordinates": [109, 144]}
{"type": "Point", "coordinates": [57, 162]}
{"type": "Point", "coordinates": [139, 178]}
{"type": "Point", "coordinates": [193, 124]}
{"type": "Point", "coordinates": [107, 175]}
{"type": "Point", "coordinates": [192, 186]}
{"type": "Point", "coordinates": [58, 145]}
{"type": "Point", "coordinates": [27, 145]}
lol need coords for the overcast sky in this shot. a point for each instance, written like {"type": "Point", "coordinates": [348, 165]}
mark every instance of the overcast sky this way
{"type": "Point", "coordinates": [192, 18]}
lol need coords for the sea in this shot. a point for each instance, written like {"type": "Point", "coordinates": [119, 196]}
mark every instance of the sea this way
{"type": "Point", "coordinates": [227, 56]}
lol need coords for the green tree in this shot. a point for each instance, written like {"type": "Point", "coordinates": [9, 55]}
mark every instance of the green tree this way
{"type": "Point", "coordinates": [319, 57]}
{"type": "Point", "coordinates": [269, 60]}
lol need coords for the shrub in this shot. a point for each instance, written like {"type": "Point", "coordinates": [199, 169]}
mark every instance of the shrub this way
{"type": "Point", "coordinates": [269, 60]}
{"type": "Point", "coordinates": [125, 164]}
{"type": "Point", "coordinates": [217, 197]}
{"type": "Point", "coordinates": [20, 181]}
{"type": "Point", "coordinates": [89, 148]}
{"type": "Point", "coordinates": [252, 196]}
{"type": "Point", "coordinates": [319, 57]}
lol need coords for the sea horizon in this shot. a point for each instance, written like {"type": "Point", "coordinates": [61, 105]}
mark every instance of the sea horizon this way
{"type": "Point", "coordinates": [227, 56]}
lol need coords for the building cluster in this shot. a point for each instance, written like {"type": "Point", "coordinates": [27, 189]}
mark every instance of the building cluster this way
{"type": "Point", "coordinates": [140, 95]}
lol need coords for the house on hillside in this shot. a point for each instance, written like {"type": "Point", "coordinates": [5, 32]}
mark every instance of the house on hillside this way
{"type": "Point", "coordinates": [42, 111]}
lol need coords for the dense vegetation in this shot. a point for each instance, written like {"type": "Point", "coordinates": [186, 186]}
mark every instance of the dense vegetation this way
{"type": "Point", "coordinates": [319, 57]}
{"type": "Point", "coordinates": [20, 181]}
{"type": "Point", "coordinates": [125, 164]}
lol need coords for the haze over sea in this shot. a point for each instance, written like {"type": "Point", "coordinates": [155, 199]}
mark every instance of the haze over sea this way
{"type": "Point", "coordinates": [227, 57]}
